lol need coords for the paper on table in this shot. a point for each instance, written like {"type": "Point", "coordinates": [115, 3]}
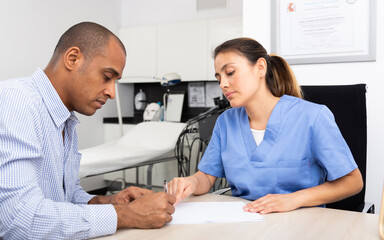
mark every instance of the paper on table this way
{"type": "Point", "coordinates": [208, 212]}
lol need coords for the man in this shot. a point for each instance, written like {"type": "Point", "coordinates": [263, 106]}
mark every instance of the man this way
{"type": "Point", "coordinates": [40, 195]}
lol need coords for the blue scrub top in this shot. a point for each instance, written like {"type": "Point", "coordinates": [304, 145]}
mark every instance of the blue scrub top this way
{"type": "Point", "coordinates": [302, 148]}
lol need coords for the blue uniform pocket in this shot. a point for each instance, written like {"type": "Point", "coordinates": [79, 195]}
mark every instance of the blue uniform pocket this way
{"type": "Point", "coordinates": [293, 175]}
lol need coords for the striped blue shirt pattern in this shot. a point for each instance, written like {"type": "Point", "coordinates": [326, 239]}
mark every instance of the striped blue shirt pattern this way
{"type": "Point", "coordinates": [40, 195]}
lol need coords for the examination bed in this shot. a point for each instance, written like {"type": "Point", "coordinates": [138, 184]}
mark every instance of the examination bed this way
{"type": "Point", "coordinates": [147, 143]}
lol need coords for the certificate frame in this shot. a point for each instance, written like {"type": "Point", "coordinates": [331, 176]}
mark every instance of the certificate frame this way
{"type": "Point", "coordinates": [339, 35]}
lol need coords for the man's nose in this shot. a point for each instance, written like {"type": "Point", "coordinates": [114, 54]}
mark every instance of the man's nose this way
{"type": "Point", "coordinates": [110, 91]}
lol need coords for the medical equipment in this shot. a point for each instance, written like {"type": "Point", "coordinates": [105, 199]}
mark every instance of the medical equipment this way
{"type": "Point", "coordinates": [202, 126]}
{"type": "Point", "coordinates": [140, 100]}
{"type": "Point", "coordinates": [152, 112]}
{"type": "Point", "coordinates": [167, 80]}
{"type": "Point", "coordinates": [147, 143]}
{"type": "Point", "coordinates": [170, 79]}
{"type": "Point", "coordinates": [174, 106]}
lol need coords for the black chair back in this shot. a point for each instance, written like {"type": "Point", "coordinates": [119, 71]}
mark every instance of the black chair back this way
{"type": "Point", "coordinates": [348, 104]}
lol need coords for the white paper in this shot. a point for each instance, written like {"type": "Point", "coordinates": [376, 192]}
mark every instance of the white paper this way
{"type": "Point", "coordinates": [213, 212]}
{"type": "Point", "coordinates": [174, 107]}
{"type": "Point", "coordinates": [196, 97]}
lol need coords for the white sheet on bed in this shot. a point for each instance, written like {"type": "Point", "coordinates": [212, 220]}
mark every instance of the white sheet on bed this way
{"type": "Point", "coordinates": [145, 141]}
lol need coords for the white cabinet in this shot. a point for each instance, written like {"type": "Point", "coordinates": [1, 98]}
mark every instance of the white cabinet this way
{"type": "Point", "coordinates": [182, 48]}
{"type": "Point", "coordinates": [140, 43]}
{"type": "Point", "coordinates": [219, 31]}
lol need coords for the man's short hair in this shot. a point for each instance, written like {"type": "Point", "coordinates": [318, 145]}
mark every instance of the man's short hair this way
{"type": "Point", "coordinates": [91, 38]}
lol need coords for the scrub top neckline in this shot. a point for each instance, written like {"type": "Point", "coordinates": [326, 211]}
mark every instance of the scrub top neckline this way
{"type": "Point", "coordinates": [258, 153]}
{"type": "Point", "coordinates": [257, 131]}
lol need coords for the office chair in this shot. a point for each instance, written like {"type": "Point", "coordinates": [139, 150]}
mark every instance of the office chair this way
{"type": "Point", "coordinates": [348, 104]}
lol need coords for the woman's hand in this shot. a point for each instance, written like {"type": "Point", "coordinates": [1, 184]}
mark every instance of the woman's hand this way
{"type": "Point", "coordinates": [327, 192]}
{"type": "Point", "coordinates": [273, 203]}
{"type": "Point", "coordinates": [182, 187]}
{"type": "Point", "coordinates": [198, 183]}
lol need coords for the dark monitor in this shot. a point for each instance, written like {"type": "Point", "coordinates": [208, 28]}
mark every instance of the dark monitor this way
{"type": "Point", "coordinates": [206, 126]}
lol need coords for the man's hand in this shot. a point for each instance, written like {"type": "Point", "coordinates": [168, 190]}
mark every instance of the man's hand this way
{"type": "Point", "coordinates": [125, 196]}
{"type": "Point", "coordinates": [152, 210]}
{"type": "Point", "coordinates": [129, 194]}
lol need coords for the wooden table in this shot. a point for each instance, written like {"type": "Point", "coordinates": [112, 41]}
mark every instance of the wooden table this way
{"type": "Point", "coordinates": [305, 223]}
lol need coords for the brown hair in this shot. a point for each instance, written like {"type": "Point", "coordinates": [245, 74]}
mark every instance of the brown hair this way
{"type": "Point", "coordinates": [279, 77]}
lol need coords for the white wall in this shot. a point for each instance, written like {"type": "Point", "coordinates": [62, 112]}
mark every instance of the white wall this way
{"type": "Point", "coordinates": [257, 24]}
{"type": "Point", "coordinates": [30, 31]}
{"type": "Point", "coordinates": [148, 12]}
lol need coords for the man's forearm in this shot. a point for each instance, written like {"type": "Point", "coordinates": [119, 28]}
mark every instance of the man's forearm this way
{"type": "Point", "coordinates": [100, 200]}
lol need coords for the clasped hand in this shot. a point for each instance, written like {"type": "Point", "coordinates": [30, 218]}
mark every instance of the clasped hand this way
{"type": "Point", "coordinates": [139, 208]}
{"type": "Point", "coordinates": [127, 195]}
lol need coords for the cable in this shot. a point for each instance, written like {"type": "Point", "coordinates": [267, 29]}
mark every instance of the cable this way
{"type": "Point", "coordinates": [183, 141]}
{"type": "Point", "coordinates": [198, 154]}
{"type": "Point", "coordinates": [179, 151]}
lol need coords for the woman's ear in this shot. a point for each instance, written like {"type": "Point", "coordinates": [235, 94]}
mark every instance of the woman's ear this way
{"type": "Point", "coordinates": [261, 65]}
{"type": "Point", "coordinates": [72, 58]}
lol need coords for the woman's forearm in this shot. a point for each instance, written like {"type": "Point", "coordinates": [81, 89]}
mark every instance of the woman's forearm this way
{"type": "Point", "coordinates": [331, 191]}
{"type": "Point", "coordinates": [204, 182]}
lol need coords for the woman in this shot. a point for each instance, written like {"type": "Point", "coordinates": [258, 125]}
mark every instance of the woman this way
{"type": "Point", "coordinates": [273, 148]}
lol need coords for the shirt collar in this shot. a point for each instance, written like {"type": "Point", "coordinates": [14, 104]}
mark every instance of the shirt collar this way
{"type": "Point", "coordinates": [55, 106]}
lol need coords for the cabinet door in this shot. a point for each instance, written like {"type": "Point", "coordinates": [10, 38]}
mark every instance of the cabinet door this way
{"type": "Point", "coordinates": [140, 43]}
{"type": "Point", "coordinates": [182, 48]}
{"type": "Point", "coordinates": [219, 31]}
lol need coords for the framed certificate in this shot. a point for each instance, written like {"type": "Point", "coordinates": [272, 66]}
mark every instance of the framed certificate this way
{"type": "Point", "coordinates": [324, 31]}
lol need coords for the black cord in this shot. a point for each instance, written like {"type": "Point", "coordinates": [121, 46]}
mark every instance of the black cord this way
{"type": "Point", "coordinates": [184, 161]}
{"type": "Point", "coordinates": [191, 147]}
{"type": "Point", "coordinates": [179, 152]}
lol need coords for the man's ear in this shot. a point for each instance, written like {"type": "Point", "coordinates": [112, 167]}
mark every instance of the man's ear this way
{"type": "Point", "coordinates": [72, 58]}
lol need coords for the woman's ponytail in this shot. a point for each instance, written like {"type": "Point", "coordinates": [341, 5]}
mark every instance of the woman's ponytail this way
{"type": "Point", "coordinates": [280, 78]}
